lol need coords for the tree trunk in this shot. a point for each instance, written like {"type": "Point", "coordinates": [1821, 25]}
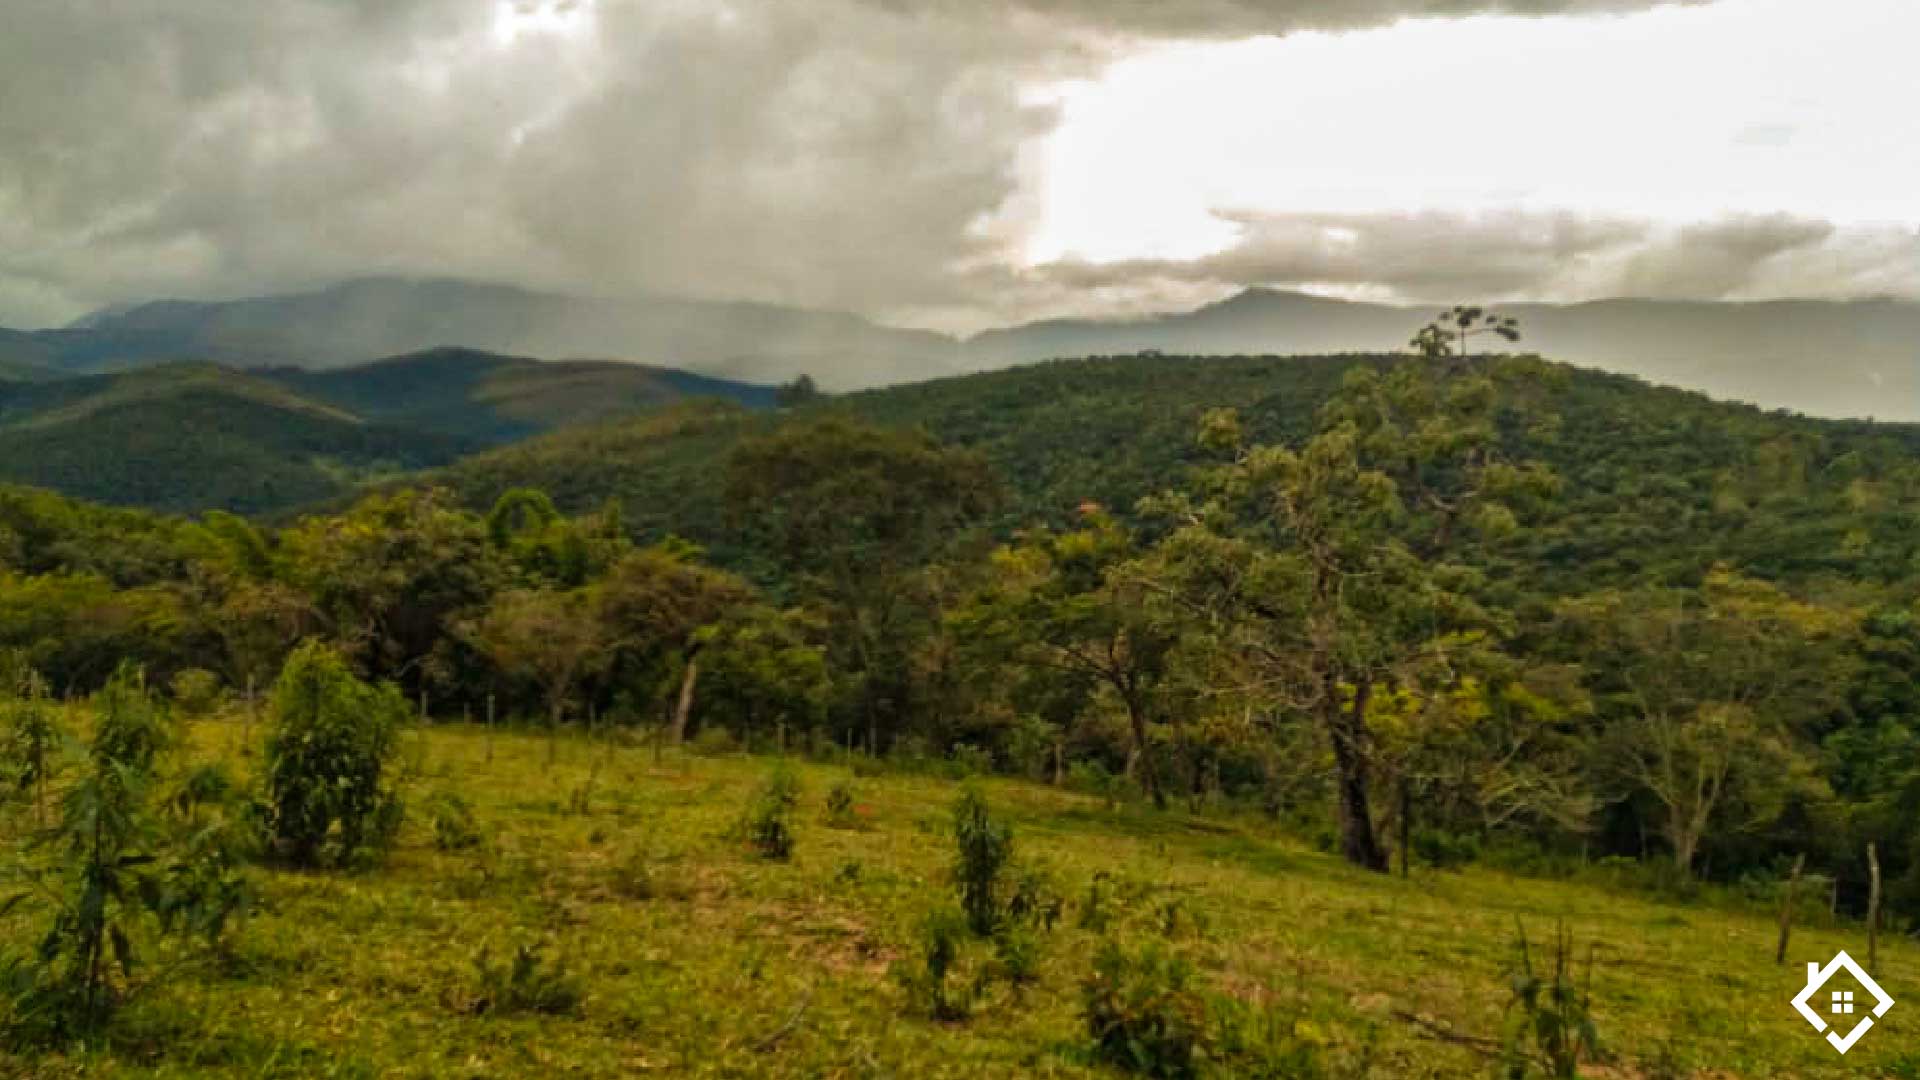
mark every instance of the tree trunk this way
{"type": "Point", "coordinates": [1873, 910]}
{"type": "Point", "coordinates": [684, 707]}
{"type": "Point", "coordinates": [1149, 773]}
{"type": "Point", "coordinates": [1786, 908]}
{"type": "Point", "coordinates": [1347, 728]}
{"type": "Point", "coordinates": [1406, 826]}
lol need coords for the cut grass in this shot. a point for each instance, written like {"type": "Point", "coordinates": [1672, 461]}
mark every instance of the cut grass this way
{"type": "Point", "coordinates": [731, 965]}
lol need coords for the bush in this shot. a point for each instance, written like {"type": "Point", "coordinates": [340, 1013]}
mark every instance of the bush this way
{"type": "Point", "coordinates": [1444, 850]}
{"type": "Point", "coordinates": [712, 740]}
{"type": "Point", "coordinates": [982, 852]}
{"type": "Point", "coordinates": [929, 983]}
{"type": "Point", "coordinates": [30, 738]}
{"type": "Point", "coordinates": [196, 691]}
{"type": "Point", "coordinates": [327, 754]}
{"type": "Point", "coordinates": [1143, 1014]}
{"type": "Point", "coordinates": [769, 823]}
{"type": "Point", "coordinates": [105, 869]}
{"type": "Point", "coordinates": [525, 983]}
{"type": "Point", "coordinates": [1018, 949]}
{"type": "Point", "coordinates": [1549, 1018]}
{"type": "Point", "coordinates": [454, 826]}
{"type": "Point", "coordinates": [840, 814]}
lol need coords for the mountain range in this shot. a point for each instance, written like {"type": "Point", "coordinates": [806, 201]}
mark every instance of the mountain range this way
{"type": "Point", "coordinates": [1829, 358]}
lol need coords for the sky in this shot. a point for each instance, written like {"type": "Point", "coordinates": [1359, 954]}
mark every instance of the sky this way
{"type": "Point", "coordinates": [959, 164]}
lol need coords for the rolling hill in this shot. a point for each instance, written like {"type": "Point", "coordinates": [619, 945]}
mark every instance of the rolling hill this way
{"type": "Point", "coordinates": [1658, 483]}
{"type": "Point", "coordinates": [1837, 359]}
{"type": "Point", "coordinates": [199, 436]}
{"type": "Point", "coordinates": [497, 399]}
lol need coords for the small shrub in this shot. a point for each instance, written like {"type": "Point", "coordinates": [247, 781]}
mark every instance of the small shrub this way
{"type": "Point", "coordinates": [713, 741]}
{"type": "Point", "coordinates": [196, 691]}
{"type": "Point", "coordinates": [929, 980]}
{"type": "Point", "coordinates": [1445, 850]}
{"type": "Point", "coordinates": [1143, 1014]}
{"type": "Point", "coordinates": [866, 768]}
{"type": "Point", "coordinates": [769, 822]}
{"type": "Point", "coordinates": [1033, 899]}
{"type": "Point", "coordinates": [1017, 949]}
{"type": "Point", "coordinates": [982, 851]}
{"type": "Point", "coordinates": [1549, 1019]}
{"type": "Point", "coordinates": [1094, 909]}
{"type": "Point", "coordinates": [332, 739]}
{"type": "Point", "coordinates": [526, 983]}
{"type": "Point", "coordinates": [207, 785]}
{"type": "Point", "coordinates": [840, 814]}
{"type": "Point", "coordinates": [103, 872]}
{"type": "Point", "coordinates": [454, 826]}
{"type": "Point", "coordinates": [1265, 1043]}
{"type": "Point", "coordinates": [30, 740]}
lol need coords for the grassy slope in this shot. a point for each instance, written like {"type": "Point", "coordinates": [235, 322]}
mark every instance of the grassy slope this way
{"type": "Point", "coordinates": [364, 974]}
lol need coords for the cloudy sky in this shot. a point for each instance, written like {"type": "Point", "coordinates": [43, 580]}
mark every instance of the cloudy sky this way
{"type": "Point", "coordinates": [960, 163]}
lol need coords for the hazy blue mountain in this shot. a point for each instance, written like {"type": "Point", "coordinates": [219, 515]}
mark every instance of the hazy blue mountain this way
{"type": "Point", "coordinates": [365, 319]}
{"type": "Point", "coordinates": [1845, 359]}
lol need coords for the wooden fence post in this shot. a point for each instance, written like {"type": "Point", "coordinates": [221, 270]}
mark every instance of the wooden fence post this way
{"type": "Point", "coordinates": [1873, 910]}
{"type": "Point", "coordinates": [1786, 908]}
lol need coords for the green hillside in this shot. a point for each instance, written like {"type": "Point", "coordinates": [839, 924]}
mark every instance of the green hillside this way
{"type": "Point", "coordinates": [496, 399]}
{"type": "Point", "coordinates": [1658, 484]}
{"type": "Point", "coordinates": [193, 437]}
{"type": "Point", "coordinates": [199, 436]}
{"type": "Point", "coordinates": [681, 953]}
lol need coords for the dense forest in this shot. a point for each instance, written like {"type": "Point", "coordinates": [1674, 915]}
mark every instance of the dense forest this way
{"type": "Point", "coordinates": [1431, 608]}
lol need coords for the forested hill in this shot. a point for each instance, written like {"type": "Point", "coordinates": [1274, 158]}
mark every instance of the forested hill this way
{"type": "Point", "coordinates": [1658, 484]}
{"type": "Point", "coordinates": [193, 437]}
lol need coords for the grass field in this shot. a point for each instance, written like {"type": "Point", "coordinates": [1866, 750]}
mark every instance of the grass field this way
{"type": "Point", "coordinates": [726, 964]}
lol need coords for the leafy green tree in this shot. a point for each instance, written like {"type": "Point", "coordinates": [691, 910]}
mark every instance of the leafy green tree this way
{"type": "Point", "coordinates": [852, 513]}
{"type": "Point", "coordinates": [765, 670]}
{"type": "Point", "coordinates": [1326, 566]}
{"type": "Point", "coordinates": [332, 739]}
{"type": "Point", "coordinates": [798, 392]}
{"type": "Point", "coordinates": [1453, 332]}
{"type": "Point", "coordinates": [390, 577]}
{"type": "Point", "coordinates": [554, 637]}
{"type": "Point", "coordinates": [1709, 698]}
{"type": "Point", "coordinates": [662, 608]}
{"type": "Point", "coordinates": [1066, 603]}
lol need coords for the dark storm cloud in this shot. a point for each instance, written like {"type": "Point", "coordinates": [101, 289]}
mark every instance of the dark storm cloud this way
{"type": "Point", "coordinates": [862, 154]}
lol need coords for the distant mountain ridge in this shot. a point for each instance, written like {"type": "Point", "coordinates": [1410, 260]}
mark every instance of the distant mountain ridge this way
{"type": "Point", "coordinates": [1832, 358]}
{"type": "Point", "coordinates": [362, 320]}
{"type": "Point", "coordinates": [1845, 359]}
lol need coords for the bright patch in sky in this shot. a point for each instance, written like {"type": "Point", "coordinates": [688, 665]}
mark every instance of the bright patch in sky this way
{"type": "Point", "coordinates": [515, 19]}
{"type": "Point", "coordinates": [1676, 114]}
